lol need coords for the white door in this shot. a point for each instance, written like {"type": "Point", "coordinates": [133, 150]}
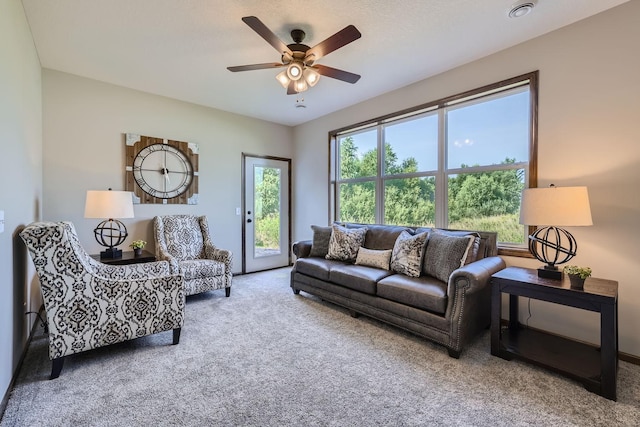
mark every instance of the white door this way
{"type": "Point", "coordinates": [266, 213]}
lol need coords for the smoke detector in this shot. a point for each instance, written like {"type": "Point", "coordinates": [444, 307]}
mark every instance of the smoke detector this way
{"type": "Point", "coordinates": [521, 9]}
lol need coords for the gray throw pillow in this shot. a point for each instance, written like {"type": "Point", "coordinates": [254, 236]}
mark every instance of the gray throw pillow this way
{"type": "Point", "coordinates": [406, 257]}
{"type": "Point", "coordinates": [344, 243]}
{"type": "Point", "coordinates": [446, 254]}
{"type": "Point", "coordinates": [320, 242]}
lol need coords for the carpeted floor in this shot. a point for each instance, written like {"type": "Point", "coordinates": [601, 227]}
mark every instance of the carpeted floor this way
{"type": "Point", "coordinates": [265, 357]}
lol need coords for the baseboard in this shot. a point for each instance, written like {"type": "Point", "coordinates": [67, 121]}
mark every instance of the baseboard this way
{"type": "Point", "coordinates": [14, 377]}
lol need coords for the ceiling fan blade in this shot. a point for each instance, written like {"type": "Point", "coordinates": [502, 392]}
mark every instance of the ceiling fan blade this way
{"type": "Point", "coordinates": [291, 88]}
{"type": "Point", "coordinates": [335, 73]}
{"type": "Point", "coordinates": [255, 66]}
{"type": "Point", "coordinates": [264, 32]}
{"type": "Point", "coordinates": [336, 41]}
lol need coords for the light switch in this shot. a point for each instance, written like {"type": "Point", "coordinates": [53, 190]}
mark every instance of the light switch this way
{"type": "Point", "coordinates": [237, 211]}
{"type": "Point", "coordinates": [1, 221]}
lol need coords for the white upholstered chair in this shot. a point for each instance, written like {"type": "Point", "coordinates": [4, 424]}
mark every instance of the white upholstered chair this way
{"type": "Point", "coordinates": [90, 304]}
{"type": "Point", "coordinates": [185, 242]}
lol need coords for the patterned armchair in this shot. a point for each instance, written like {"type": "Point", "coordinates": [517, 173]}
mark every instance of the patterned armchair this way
{"type": "Point", "coordinates": [90, 304]}
{"type": "Point", "coordinates": [185, 242]}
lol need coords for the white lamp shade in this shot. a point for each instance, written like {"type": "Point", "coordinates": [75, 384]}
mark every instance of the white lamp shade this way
{"type": "Point", "coordinates": [555, 206]}
{"type": "Point", "coordinates": [108, 204]}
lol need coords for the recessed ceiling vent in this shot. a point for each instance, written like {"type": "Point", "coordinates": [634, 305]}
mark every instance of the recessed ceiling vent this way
{"type": "Point", "coordinates": [521, 9]}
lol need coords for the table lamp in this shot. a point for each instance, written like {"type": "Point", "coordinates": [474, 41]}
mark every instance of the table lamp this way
{"type": "Point", "coordinates": [553, 207]}
{"type": "Point", "coordinates": [111, 205]}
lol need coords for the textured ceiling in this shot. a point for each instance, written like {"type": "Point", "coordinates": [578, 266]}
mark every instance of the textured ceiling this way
{"type": "Point", "coordinates": [181, 48]}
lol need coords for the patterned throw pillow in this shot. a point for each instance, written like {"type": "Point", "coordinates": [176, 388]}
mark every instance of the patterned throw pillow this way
{"type": "Point", "coordinates": [406, 257]}
{"type": "Point", "coordinates": [374, 258]}
{"type": "Point", "coordinates": [446, 254]}
{"type": "Point", "coordinates": [344, 243]}
{"type": "Point", "coordinates": [320, 243]}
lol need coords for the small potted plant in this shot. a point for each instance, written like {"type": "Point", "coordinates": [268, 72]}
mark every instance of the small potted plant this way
{"type": "Point", "coordinates": [137, 246]}
{"type": "Point", "coordinates": [577, 275]}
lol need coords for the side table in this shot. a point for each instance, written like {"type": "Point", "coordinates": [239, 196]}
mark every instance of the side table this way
{"type": "Point", "coordinates": [127, 258]}
{"type": "Point", "coordinates": [595, 367]}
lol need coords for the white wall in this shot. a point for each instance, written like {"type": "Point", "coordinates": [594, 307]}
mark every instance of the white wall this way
{"type": "Point", "coordinates": [84, 123]}
{"type": "Point", "coordinates": [20, 181]}
{"type": "Point", "coordinates": [589, 111]}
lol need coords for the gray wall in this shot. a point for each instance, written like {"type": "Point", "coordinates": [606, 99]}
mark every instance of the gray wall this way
{"type": "Point", "coordinates": [84, 122]}
{"type": "Point", "coordinates": [20, 180]}
{"type": "Point", "coordinates": [588, 135]}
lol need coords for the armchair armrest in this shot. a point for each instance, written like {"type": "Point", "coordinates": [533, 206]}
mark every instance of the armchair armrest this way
{"type": "Point", "coordinates": [131, 271]}
{"type": "Point", "coordinates": [222, 255]}
{"type": "Point", "coordinates": [302, 248]}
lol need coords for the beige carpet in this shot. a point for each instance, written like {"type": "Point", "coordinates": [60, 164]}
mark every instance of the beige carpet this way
{"type": "Point", "coordinates": [265, 357]}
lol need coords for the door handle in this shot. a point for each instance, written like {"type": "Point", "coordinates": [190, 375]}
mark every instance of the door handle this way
{"type": "Point", "coordinates": [249, 220]}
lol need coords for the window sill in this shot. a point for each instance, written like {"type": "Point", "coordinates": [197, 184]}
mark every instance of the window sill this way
{"type": "Point", "coordinates": [515, 251]}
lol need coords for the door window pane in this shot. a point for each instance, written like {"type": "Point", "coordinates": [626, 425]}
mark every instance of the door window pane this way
{"type": "Point", "coordinates": [410, 201]}
{"type": "Point", "coordinates": [267, 211]}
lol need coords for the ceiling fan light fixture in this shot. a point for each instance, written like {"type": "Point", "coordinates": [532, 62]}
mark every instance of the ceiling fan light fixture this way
{"type": "Point", "coordinates": [283, 79]}
{"type": "Point", "coordinates": [286, 58]}
{"type": "Point", "coordinates": [311, 76]}
{"type": "Point", "coordinates": [294, 71]}
{"type": "Point", "coordinates": [300, 86]}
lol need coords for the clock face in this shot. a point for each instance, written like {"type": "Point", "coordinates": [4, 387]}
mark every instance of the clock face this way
{"type": "Point", "coordinates": [162, 171]}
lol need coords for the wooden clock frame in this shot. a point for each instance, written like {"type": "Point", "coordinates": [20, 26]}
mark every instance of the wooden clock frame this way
{"type": "Point", "coordinates": [134, 144]}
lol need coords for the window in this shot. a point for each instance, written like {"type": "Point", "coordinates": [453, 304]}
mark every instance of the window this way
{"type": "Point", "coordinates": [459, 162]}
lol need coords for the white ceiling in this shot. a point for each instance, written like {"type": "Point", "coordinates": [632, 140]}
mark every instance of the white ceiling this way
{"type": "Point", "coordinates": [181, 48]}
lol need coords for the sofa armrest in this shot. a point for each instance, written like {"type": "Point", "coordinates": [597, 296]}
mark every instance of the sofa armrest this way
{"type": "Point", "coordinates": [469, 299]}
{"type": "Point", "coordinates": [474, 276]}
{"type": "Point", "coordinates": [302, 248]}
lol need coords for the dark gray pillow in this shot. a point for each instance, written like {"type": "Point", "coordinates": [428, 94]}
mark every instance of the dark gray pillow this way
{"type": "Point", "coordinates": [446, 254]}
{"type": "Point", "coordinates": [320, 243]}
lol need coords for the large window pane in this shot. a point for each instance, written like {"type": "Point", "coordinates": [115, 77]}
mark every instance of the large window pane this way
{"type": "Point", "coordinates": [487, 132]}
{"type": "Point", "coordinates": [488, 201]}
{"type": "Point", "coordinates": [357, 202]}
{"type": "Point", "coordinates": [410, 201]}
{"type": "Point", "coordinates": [411, 146]}
{"type": "Point", "coordinates": [359, 155]}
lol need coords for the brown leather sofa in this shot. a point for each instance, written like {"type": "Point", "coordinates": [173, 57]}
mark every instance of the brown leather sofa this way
{"type": "Point", "coordinates": [450, 313]}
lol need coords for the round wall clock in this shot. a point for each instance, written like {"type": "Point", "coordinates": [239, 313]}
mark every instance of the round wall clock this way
{"type": "Point", "coordinates": [161, 171]}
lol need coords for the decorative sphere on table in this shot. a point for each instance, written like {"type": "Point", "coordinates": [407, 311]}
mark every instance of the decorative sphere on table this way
{"type": "Point", "coordinates": [110, 233]}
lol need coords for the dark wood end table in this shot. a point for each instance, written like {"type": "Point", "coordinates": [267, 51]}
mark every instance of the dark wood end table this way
{"type": "Point", "coordinates": [127, 258]}
{"type": "Point", "coordinates": [595, 367]}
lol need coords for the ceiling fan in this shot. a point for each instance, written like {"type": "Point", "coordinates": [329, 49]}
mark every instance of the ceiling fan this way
{"type": "Point", "coordinates": [302, 72]}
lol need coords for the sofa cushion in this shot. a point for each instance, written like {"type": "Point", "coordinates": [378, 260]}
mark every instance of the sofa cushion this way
{"type": "Point", "coordinates": [320, 242]}
{"type": "Point", "coordinates": [357, 277]}
{"type": "Point", "coordinates": [445, 254]}
{"type": "Point", "coordinates": [373, 258]}
{"type": "Point", "coordinates": [406, 257]}
{"type": "Point", "coordinates": [316, 267]}
{"type": "Point", "coordinates": [344, 243]}
{"type": "Point", "coordinates": [381, 237]}
{"type": "Point", "coordinates": [423, 292]}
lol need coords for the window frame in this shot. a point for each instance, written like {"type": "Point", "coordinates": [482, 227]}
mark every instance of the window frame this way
{"type": "Point", "coordinates": [439, 107]}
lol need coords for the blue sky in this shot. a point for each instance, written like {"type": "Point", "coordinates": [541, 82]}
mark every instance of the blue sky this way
{"type": "Point", "coordinates": [483, 133]}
